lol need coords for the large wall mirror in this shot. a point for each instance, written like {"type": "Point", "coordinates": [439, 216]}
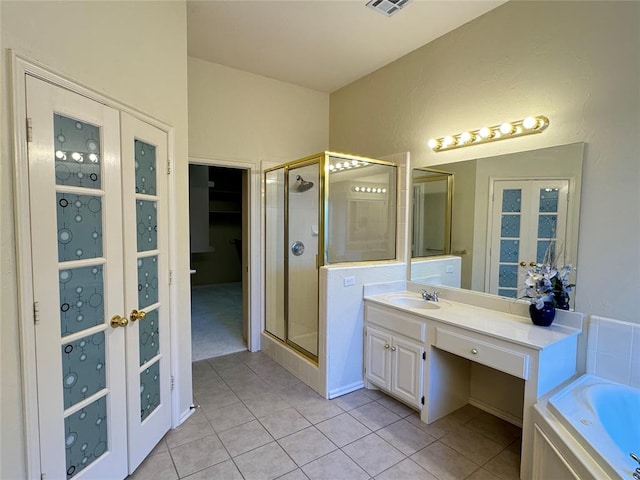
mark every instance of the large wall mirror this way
{"type": "Point", "coordinates": [505, 211]}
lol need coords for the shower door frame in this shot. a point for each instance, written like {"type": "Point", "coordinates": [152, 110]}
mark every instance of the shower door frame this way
{"type": "Point", "coordinates": [321, 161]}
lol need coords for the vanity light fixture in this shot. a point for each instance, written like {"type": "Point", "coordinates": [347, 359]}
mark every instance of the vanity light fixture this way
{"type": "Point", "coordinates": [346, 165]}
{"type": "Point", "coordinates": [503, 131]}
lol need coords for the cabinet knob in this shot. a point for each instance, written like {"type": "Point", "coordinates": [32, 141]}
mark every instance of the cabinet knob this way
{"type": "Point", "coordinates": [523, 264]}
{"type": "Point", "coordinates": [474, 351]}
{"type": "Point", "coordinates": [386, 345]}
{"type": "Point", "coordinates": [393, 349]}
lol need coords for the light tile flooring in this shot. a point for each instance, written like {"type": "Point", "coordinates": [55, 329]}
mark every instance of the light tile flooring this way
{"type": "Point", "coordinates": [216, 320]}
{"type": "Point", "coordinates": [257, 421]}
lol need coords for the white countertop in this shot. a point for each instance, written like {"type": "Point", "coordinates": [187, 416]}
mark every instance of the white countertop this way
{"type": "Point", "coordinates": [505, 326]}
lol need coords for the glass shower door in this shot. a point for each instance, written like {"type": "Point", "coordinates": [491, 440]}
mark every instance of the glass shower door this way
{"type": "Point", "coordinates": [302, 258]}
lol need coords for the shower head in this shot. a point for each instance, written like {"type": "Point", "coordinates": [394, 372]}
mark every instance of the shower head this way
{"type": "Point", "coordinates": [302, 185]}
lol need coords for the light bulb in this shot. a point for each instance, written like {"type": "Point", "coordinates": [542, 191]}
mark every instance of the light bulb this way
{"type": "Point", "coordinates": [448, 140]}
{"type": "Point", "coordinates": [357, 189]}
{"type": "Point", "coordinates": [433, 143]}
{"type": "Point", "coordinates": [60, 155]}
{"type": "Point", "coordinates": [506, 128]}
{"type": "Point", "coordinates": [331, 167]}
{"type": "Point", "coordinates": [76, 156]}
{"type": "Point", "coordinates": [338, 165]}
{"type": "Point", "coordinates": [93, 157]}
{"type": "Point", "coordinates": [384, 190]}
{"type": "Point", "coordinates": [486, 132]}
{"type": "Point", "coordinates": [466, 137]}
{"type": "Point", "coordinates": [368, 189]}
{"type": "Point", "coordinates": [529, 123]}
{"type": "Point", "coordinates": [354, 163]}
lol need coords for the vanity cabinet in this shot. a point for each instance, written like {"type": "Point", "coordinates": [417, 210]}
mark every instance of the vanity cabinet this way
{"type": "Point", "coordinates": [394, 355]}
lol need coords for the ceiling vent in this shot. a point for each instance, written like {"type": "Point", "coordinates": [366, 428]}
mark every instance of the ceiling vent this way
{"type": "Point", "coordinates": [388, 7]}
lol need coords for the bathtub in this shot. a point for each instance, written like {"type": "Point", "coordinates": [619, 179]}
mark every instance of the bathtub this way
{"type": "Point", "coordinates": [604, 417]}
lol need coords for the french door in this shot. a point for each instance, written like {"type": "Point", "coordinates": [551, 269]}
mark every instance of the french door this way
{"type": "Point", "coordinates": [99, 221]}
{"type": "Point", "coordinates": [527, 216]}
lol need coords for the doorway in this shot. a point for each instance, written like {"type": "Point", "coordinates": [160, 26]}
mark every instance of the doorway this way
{"type": "Point", "coordinates": [218, 205]}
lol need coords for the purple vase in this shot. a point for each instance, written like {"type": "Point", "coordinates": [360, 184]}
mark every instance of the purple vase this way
{"type": "Point", "coordinates": [544, 316]}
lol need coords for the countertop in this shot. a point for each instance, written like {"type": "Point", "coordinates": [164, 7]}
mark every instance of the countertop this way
{"type": "Point", "coordinates": [506, 326]}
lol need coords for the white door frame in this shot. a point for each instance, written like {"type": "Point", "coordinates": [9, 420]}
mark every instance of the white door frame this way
{"type": "Point", "coordinates": [21, 66]}
{"type": "Point", "coordinates": [254, 291]}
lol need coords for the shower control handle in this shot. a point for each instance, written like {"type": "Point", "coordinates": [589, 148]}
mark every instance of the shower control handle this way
{"type": "Point", "coordinates": [386, 345]}
{"type": "Point", "coordinates": [297, 248]}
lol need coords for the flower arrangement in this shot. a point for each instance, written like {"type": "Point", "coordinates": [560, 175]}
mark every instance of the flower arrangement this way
{"type": "Point", "coordinates": [549, 282]}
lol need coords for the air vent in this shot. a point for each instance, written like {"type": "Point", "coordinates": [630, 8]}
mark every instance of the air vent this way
{"type": "Point", "coordinates": [388, 7]}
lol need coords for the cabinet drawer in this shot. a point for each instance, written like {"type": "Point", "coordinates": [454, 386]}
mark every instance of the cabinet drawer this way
{"type": "Point", "coordinates": [498, 357]}
{"type": "Point", "coordinates": [398, 322]}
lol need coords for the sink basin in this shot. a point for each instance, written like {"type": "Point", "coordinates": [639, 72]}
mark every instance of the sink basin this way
{"type": "Point", "coordinates": [413, 301]}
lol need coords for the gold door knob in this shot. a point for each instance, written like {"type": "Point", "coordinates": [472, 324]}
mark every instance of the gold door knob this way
{"type": "Point", "coordinates": [137, 315]}
{"type": "Point", "coordinates": [118, 321]}
{"type": "Point", "coordinates": [523, 264]}
{"type": "Point", "coordinates": [532, 264]}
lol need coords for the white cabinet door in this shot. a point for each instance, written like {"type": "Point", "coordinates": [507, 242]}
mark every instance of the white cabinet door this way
{"type": "Point", "coordinates": [92, 266]}
{"type": "Point", "coordinates": [378, 357]}
{"type": "Point", "coordinates": [407, 370]}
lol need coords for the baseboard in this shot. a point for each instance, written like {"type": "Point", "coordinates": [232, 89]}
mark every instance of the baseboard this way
{"type": "Point", "coordinates": [507, 417]}
{"type": "Point", "coordinates": [345, 389]}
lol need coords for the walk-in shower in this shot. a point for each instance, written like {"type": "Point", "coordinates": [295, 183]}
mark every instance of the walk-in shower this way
{"type": "Point", "coordinates": [324, 209]}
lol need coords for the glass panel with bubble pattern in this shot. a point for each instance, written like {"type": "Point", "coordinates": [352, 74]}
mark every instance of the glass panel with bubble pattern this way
{"type": "Point", "coordinates": [147, 220]}
{"type": "Point", "coordinates": [83, 371]}
{"type": "Point", "coordinates": [145, 168]}
{"type": "Point", "coordinates": [549, 199]}
{"type": "Point", "coordinates": [510, 226]}
{"type": "Point", "coordinates": [149, 337]}
{"type": "Point", "coordinates": [86, 437]}
{"type": "Point", "coordinates": [79, 226]}
{"type": "Point", "coordinates": [149, 390]}
{"type": "Point", "coordinates": [547, 226]}
{"type": "Point", "coordinates": [509, 251]}
{"type": "Point", "coordinates": [81, 299]}
{"type": "Point", "coordinates": [511, 200]}
{"type": "Point", "coordinates": [147, 281]}
{"type": "Point", "coordinates": [77, 152]}
{"type": "Point", "coordinates": [508, 276]}
{"type": "Point", "coordinates": [508, 293]}
{"type": "Point", "coordinates": [541, 250]}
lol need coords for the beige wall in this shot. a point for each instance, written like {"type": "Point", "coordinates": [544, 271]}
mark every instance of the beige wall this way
{"type": "Point", "coordinates": [134, 52]}
{"type": "Point", "coordinates": [577, 63]}
{"type": "Point", "coordinates": [234, 115]}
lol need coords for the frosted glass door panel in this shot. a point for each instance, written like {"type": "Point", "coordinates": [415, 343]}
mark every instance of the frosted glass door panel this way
{"type": "Point", "coordinates": [303, 221]}
{"type": "Point", "coordinates": [527, 217]}
{"type": "Point", "coordinates": [146, 258]}
{"type": "Point", "coordinates": [274, 253]}
{"type": "Point", "coordinates": [76, 247]}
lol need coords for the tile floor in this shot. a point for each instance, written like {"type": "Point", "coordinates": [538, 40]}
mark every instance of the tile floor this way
{"type": "Point", "coordinates": [257, 421]}
{"type": "Point", "coordinates": [216, 320]}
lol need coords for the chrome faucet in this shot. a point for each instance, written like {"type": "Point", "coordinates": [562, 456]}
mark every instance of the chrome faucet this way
{"type": "Point", "coordinates": [430, 297]}
{"type": "Point", "coordinates": [636, 474]}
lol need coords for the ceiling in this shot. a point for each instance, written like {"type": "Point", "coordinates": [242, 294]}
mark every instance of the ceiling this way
{"type": "Point", "coordinates": [320, 44]}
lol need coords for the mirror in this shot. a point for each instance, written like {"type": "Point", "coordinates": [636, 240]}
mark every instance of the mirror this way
{"type": "Point", "coordinates": [505, 210]}
{"type": "Point", "coordinates": [432, 192]}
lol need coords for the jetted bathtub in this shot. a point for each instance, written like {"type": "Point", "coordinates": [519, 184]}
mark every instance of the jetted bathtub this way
{"type": "Point", "coordinates": [604, 417]}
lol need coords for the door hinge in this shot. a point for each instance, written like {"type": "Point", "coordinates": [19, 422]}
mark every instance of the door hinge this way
{"type": "Point", "coordinates": [36, 312]}
{"type": "Point", "coordinates": [168, 167]}
{"type": "Point", "coordinates": [424, 355]}
{"type": "Point", "coordinates": [29, 130]}
{"type": "Point", "coordinates": [173, 382]}
{"type": "Point", "coordinates": [422, 400]}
